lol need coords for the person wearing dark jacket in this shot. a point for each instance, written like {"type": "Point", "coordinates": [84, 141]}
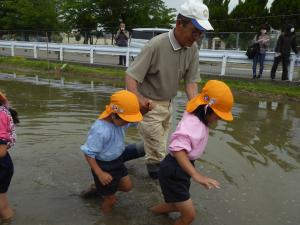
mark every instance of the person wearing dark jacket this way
{"type": "Point", "coordinates": [285, 43]}
{"type": "Point", "coordinates": [121, 38]}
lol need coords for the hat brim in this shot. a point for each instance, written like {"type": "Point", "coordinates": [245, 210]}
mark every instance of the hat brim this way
{"type": "Point", "coordinates": [131, 118]}
{"type": "Point", "coordinates": [195, 102]}
{"type": "Point", "coordinates": [199, 100]}
{"type": "Point", "coordinates": [104, 115]}
{"type": "Point", "coordinates": [202, 25]}
{"type": "Point", "coordinates": [223, 115]}
{"type": "Point", "coordinates": [128, 118]}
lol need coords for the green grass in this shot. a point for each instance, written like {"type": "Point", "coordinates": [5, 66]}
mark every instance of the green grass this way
{"type": "Point", "coordinates": [280, 88]}
{"type": "Point", "coordinates": [45, 67]}
{"type": "Point", "coordinates": [87, 73]}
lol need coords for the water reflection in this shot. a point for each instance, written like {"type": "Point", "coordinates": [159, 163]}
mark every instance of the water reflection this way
{"type": "Point", "coordinates": [266, 132]}
{"type": "Point", "coordinates": [256, 153]}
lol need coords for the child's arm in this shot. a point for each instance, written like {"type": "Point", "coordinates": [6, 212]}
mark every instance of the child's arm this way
{"type": "Point", "coordinates": [104, 177]}
{"type": "Point", "coordinates": [3, 150]}
{"type": "Point", "coordinates": [187, 166]}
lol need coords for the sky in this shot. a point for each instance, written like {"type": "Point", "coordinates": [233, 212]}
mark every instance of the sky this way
{"type": "Point", "coordinates": [176, 3]}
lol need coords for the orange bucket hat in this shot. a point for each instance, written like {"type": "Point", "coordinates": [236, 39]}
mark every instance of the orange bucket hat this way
{"type": "Point", "coordinates": [3, 99]}
{"type": "Point", "coordinates": [125, 104]}
{"type": "Point", "coordinates": [217, 95]}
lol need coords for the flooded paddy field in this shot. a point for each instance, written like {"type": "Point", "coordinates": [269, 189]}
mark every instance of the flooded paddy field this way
{"type": "Point", "coordinates": [256, 158]}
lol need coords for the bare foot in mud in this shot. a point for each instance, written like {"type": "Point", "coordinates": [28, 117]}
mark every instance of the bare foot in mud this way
{"type": "Point", "coordinates": [108, 203]}
{"type": "Point", "coordinates": [8, 217]}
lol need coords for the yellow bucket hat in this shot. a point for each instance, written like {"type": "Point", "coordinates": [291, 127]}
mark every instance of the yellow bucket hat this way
{"type": "Point", "coordinates": [125, 104]}
{"type": "Point", "coordinates": [217, 95]}
{"type": "Point", "coordinates": [3, 99]}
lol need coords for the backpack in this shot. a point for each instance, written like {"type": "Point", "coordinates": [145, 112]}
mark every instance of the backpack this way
{"type": "Point", "coordinates": [252, 50]}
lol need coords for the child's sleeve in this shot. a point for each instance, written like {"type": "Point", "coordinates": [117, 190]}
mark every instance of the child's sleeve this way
{"type": "Point", "coordinates": [4, 125]}
{"type": "Point", "coordinates": [180, 141]}
{"type": "Point", "coordinates": [94, 144]}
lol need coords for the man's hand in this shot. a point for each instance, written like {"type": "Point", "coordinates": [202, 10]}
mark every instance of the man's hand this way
{"type": "Point", "coordinates": [146, 104]}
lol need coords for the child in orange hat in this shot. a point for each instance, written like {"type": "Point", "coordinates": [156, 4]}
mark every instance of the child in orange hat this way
{"type": "Point", "coordinates": [105, 145]}
{"type": "Point", "coordinates": [8, 119]}
{"type": "Point", "coordinates": [187, 144]}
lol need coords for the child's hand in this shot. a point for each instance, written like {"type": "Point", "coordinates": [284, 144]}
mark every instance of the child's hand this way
{"type": "Point", "coordinates": [207, 182]}
{"type": "Point", "coordinates": [105, 178]}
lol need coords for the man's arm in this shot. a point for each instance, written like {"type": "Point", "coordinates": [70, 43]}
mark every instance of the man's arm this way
{"type": "Point", "coordinates": [131, 85]}
{"type": "Point", "coordinates": [145, 103]}
{"type": "Point", "coordinates": [191, 90]}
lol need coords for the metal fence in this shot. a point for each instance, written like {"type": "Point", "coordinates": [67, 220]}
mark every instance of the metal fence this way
{"type": "Point", "coordinates": [81, 53]}
{"type": "Point", "coordinates": [211, 40]}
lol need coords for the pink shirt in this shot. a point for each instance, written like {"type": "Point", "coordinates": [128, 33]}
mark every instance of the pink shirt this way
{"type": "Point", "coordinates": [191, 135]}
{"type": "Point", "coordinates": [7, 127]}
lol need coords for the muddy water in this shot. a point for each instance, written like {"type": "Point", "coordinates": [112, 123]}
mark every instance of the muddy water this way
{"type": "Point", "coordinates": [256, 158]}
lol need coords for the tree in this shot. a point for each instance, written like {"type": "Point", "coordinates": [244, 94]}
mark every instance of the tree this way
{"type": "Point", "coordinates": [218, 14]}
{"type": "Point", "coordinates": [135, 13]}
{"type": "Point", "coordinates": [248, 16]}
{"type": "Point", "coordinates": [30, 16]}
{"type": "Point", "coordinates": [80, 15]}
{"type": "Point", "coordinates": [288, 8]}
{"type": "Point", "coordinates": [7, 14]}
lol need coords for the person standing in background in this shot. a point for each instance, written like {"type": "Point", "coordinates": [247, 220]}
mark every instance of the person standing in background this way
{"type": "Point", "coordinates": [121, 38]}
{"type": "Point", "coordinates": [285, 43]}
{"type": "Point", "coordinates": [262, 39]}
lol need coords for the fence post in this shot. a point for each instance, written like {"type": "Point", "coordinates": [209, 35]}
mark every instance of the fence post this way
{"type": "Point", "coordinates": [61, 54]}
{"type": "Point", "coordinates": [237, 41]}
{"type": "Point", "coordinates": [34, 52]}
{"type": "Point", "coordinates": [91, 55]}
{"type": "Point", "coordinates": [127, 57]}
{"type": "Point", "coordinates": [12, 48]}
{"type": "Point", "coordinates": [92, 85]}
{"type": "Point", "coordinates": [292, 65]}
{"type": "Point", "coordinates": [224, 62]}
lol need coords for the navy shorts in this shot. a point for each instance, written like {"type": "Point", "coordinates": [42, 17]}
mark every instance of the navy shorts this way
{"type": "Point", "coordinates": [6, 171]}
{"type": "Point", "coordinates": [174, 181]}
{"type": "Point", "coordinates": [116, 169]}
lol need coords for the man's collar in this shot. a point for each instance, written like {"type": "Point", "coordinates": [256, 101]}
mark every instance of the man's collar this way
{"type": "Point", "coordinates": [176, 46]}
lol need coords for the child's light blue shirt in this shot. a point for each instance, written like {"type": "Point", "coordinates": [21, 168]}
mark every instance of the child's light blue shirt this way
{"type": "Point", "coordinates": [105, 141]}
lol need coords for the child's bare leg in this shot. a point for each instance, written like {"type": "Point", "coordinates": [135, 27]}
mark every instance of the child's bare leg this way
{"type": "Point", "coordinates": [125, 184]}
{"type": "Point", "coordinates": [108, 203]}
{"type": "Point", "coordinates": [187, 212]}
{"type": "Point", "coordinates": [163, 208]}
{"type": "Point", "coordinates": [5, 211]}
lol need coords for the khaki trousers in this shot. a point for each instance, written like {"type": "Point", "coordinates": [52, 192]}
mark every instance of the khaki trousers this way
{"type": "Point", "coordinates": [154, 130]}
